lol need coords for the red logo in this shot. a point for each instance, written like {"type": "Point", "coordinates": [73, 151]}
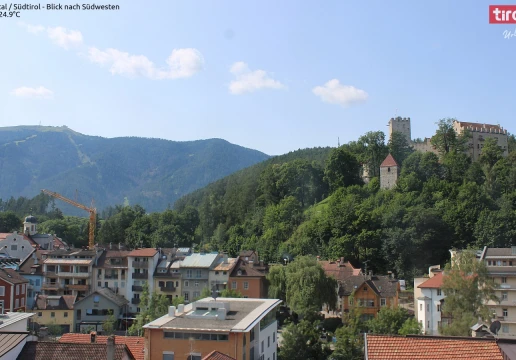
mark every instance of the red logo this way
{"type": "Point", "coordinates": [502, 14]}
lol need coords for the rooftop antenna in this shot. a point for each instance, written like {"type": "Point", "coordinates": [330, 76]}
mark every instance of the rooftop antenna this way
{"type": "Point", "coordinates": [338, 141]}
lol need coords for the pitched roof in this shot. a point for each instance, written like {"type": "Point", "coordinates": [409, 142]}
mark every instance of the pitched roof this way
{"type": "Point", "coordinates": [388, 347]}
{"type": "Point", "coordinates": [198, 260]}
{"type": "Point", "coordinates": [12, 276]}
{"type": "Point", "coordinates": [65, 302]}
{"type": "Point", "coordinates": [339, 270]}
{"type": "Point", "coordinates": [147, 252]}
{"type": "Point", "coordinates": [29, 265]}
{"type": "Point", "coordinates": [217, 355]}
{"type": "Point", "coordinates": [65, 351]}
{"type": "Point", "coordinates": [389, 161]}
{"type": "Point", "coordinates": [9, 341]}
{"type": "Point", "coordinates": [499, 252]}
{"type": "Point", "coordinates": [382, 285]}
{"type": "Point", "coordinates": [244, 269]}
{"type": "Point", "coordinates": [104, 261]}
{"type": "Point", "coordinates": [135, 344]}
{"type": "Point", "coordinates": [108, 294]}
{"type": "Point", "coordinates": [435, 282]}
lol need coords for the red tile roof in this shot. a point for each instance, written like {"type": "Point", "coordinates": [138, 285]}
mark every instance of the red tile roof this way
{"type": "Point", "coordinates": [435, 282]}
{"type": "Point", "coordinates": [387, 347]}
{"type": "Point", "coordinates": [12, 277]}
{"type": "Point", "coordinates": [216, 355]}
{"type": "Point", "coordinates": [389, 161]}
{"type": "Point", "coordinates": [47, 350]}
{"type": "Point", "coordinates": [340, 270]}
{"type": "Point", "coordinates": [148, 252]}
{"type": "Point", "coordinates": [135, 344]}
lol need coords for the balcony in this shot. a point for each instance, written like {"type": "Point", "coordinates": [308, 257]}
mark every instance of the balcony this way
{"type": "Point", "coordinates": [111, 277]}
{"type": "Point", "coordinates": [167, 288]}
{"type": "Point", "coordinates": [137, 288]}
{"type": "Point", "coordinates": [140, 264]}
{"type": "Point", "coordinates": [84, 275]}
{"type": "Point", "coordinates": [140, 275]}
{"type": "Point", "coordinates": [135, 301]}
{"type": "Point", "coordinates": [77, 287]}
{"type": "Point", "coordinates": [505, 286]}
{"type": "Point", "coordinates": [51, 286]}
{"type": "Point", "coordinates": [50, 274]}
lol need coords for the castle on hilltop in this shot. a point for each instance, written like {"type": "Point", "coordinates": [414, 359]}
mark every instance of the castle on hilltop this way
{"type": "Point", "coordinates": [390, 169]}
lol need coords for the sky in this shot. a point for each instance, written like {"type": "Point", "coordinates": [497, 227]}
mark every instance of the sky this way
{"type": "Point", "coordinates": [270, 75]}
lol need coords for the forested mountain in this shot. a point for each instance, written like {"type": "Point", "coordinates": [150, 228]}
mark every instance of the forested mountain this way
{"type": "Point", "coordinates": [151, 172]}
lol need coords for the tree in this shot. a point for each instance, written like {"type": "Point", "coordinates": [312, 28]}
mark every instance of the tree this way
{"type": "Point", "coordinates": [389, 321]}
{"type": "Point", "coordinates": [468, 287]}
{"type": "Point", "coordinates": [350, 343]}
{"type": "Point", "coordinates": [303, 342]}
{"type": "Point", "coordinates": [411, 326]}
{"type": "Point", "coordinates": [109, 325]}
{"type": "Point", "coordinates": [399, 147]}
{"type": "Point", "coordinates": [151, 307]}
{"type": "Point", "coordinates": [54, 330]}
{"type": "Point", "coordinates": [446, 138]}
{"type": "Point", "coordinates": [9, 222]}
{"type": "Point", "coordinates": [306, 287]}
{"type": "Point", "coordinates": [230, 293]}
{"type": "Point", "coordinates": [342, 169]}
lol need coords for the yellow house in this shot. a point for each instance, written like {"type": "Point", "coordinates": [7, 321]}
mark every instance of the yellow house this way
{"type": "Point", "coordinates": [54, 309]}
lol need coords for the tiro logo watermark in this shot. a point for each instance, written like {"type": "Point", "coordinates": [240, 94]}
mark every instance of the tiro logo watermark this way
{"type": "Point", "coordinates": [502, 14]}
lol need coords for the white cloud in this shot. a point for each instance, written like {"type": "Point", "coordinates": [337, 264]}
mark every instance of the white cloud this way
{"type": "Point", "coordinates": [334, 92]}
{"type": "Point", "coordinates": [39, 92]}
{"type": "Point", "coordinates": [65, 38]}
{"type": "Point", "coordinates": [249, 81]}
{"type": "Point", "coordinates": [182, 63]}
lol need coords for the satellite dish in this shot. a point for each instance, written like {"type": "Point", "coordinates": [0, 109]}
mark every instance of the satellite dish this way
{"type": "Point", "coordinates": [495, 327]}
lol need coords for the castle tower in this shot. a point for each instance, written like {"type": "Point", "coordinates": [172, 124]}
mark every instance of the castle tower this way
{"type": "Point", "coordinates": [30, 225]}
{"type": "Point", "coordinates": [401, 125]}
{"type": "Point", "coordinates": [389, 172]}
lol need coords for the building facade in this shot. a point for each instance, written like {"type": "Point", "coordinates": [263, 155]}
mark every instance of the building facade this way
{"type": "Point", "coordinates": [195, 274]}
{"type": "Point", "coordinates": [32, 270]}
{"type": "Point", "coordinates": [248, 280]}
{"type": "Point", "coordinates": [167, 278]}
{"type": "Point", "coordinates": [430, 302]}
{"type": "Point", "coordinates": [13, 291]}
{"type": "Point", "coordinates": [110, 271]}
{"type": "Point", "coordinates": [479, 134]}
{"type": "Point", "coordinates": [389, 172]}
{"type": "Point", "coordinates": [245, 329]}
{"type": "Point", "coordinates": [141, 264]}
{"type": "Point", "coordinates": [58, 310]}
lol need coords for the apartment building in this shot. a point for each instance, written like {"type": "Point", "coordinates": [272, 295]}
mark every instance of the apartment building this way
{"type": "Point", "coordinates": [167, 278]}
{"type": "Point", "coordinates": [13, 291]}
{"type": "Point", "coordinates": [369, 292]}
{"type": "Point", "coordinates": [245, 329]}
{"type": "Point", "coordinates": [219, 275]}
{"type": "Point", "coordinates": [429, 302]}
{"type": "Point", "coordinates": [111, 271]}
{"type": "Point", "coordinates": [501, 266]}
{"type": "Point", "coordinates": [68, 271]}
{"type": "Point", "coordinates": [195, 273]}
{"type": "Point", "coordinates": [248, 280]}
{"type": "Point", "coordinates": [141, 264]}
{"type": "Point", "coordinates": [32, 269]}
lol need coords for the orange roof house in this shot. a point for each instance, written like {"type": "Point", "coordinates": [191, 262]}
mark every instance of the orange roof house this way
{"type": "Point", "coordinates": [435, 282]}
{"type": "Point", "coordinates": [418, 347]}
{"type": "Point", "coordinates": [135, 344]}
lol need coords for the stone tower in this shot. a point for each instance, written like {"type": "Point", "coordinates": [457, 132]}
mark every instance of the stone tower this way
{"type": "Point", "coordinates": [401, 125]}
{"type": "Point", "coordinates": [389, 172]}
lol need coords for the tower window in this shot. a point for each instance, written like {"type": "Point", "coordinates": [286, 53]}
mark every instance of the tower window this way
{"type": "Point", "coordinates": [388, 169]}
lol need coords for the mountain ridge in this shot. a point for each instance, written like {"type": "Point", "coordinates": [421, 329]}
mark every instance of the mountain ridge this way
{"type": "Point", "coordinates": [151, 172]}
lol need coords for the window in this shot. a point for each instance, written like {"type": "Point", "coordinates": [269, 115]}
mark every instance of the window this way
{"type": "Point", "coordinates": [17, 289]}
{"type": "Point", "coordinates": [428, 324]}
{"type": "Point", "coordinates": [263, 345]}
{"type": "Point", "coordinates": [23, 302]}
{"type": "Point", "coordinates": [2, 290]}
{"type": "Point", "coordinates": [268, 341]}
{"type": "Point", "coordinates": [383, 302]}
{"type": "Point", "coordinates": [187, 284]}
{"type": "Point", "coordinates": [504, 280]}
{"type": "Point", "coordinates": [17, 303]}
{"type": "Point", "coordinates": [427, 307]}
{"type": "Point", "coordinates": [504, 295]}
{"type": "Point", "coordinates": [224, 272]}
{"type": "Point", "coordinates": [246, 285]}
{"type": "Point", "coordinates": [233, 285]}
{"type": "Point", "coordinates": [194, 356]}
{"type": "Point", "coordinates": [196, 294]}
{"type": "Point", "coordinates": [96, 299]}
{"type": "Point", "coordinates": [66, 314]}
{"type": "Point", "coordinates": [505, 328]}
{"type": "Point", "coordinates": [198, 273]}
{"type": "Point", "coordinates": [189, 273]}
{"type": "Point", "coordinates": [99, 284]}
{"type": "Point", "coordinates": [274, 356]}
{"type": "Point", "coordinates": [40, 314]}
{"type": "Point", "coordinates": [53, 314]}
{"type": "Point", "coordinates": [186, 295]}
{"type": "Point", "coordinates": [106, 284]}
{"type": "Point", "coordinates": [505, 312]}
{"type": "Point", "coordinates": [167, 355]}
{"type": "Point", "coordinates": [38, 282]}
{"type": "Point", "coordinates": [14, 247]}
{"type": "Point", "coordinates": [161, 284]}
{"type": "Point", "coordinates": [274, 337]}
{"type": "Point", "coordinates": [351, 300]}
{"type": "Point", "coordinates": [23, 289]}
{"type": "Point", "coordinates": [196, 284]}
{"type": "Point", "coordinates": [365, 288]}
{"type": "Point", "coordinates": [439, 292]}
{"type": "Point", "coordinates": [122, 284]}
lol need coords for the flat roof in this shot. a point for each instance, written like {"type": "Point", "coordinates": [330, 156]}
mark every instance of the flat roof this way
{"type": "Point", "coordinates": [243, 313]}
{"type": "Point", "coordinates": [13, 317]}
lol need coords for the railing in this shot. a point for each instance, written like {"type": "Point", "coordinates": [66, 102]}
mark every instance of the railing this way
{"type": "Point", "coordinates": [111, 277]}
{"type": "Point", "coordinates": [50, 274]}
{"type": "Point", "coordinates": [510, 319]}
{"type": "Point", "coordinates": [137, 288]}
{"type": "Point", "coordinates": [140, 264]}
{"type": "Point", "coordinates": [135, 301]}
{"type": "Point", "coordinates": [77, 287]}
{"type": "Point", "coordinates": [140, 275]}
{"type": "Point", "coordinates": [167, 288]}
{"type": "Point", "coordinates": [74, 274]}
{"type": "Point", "coordinates": [51, 286]}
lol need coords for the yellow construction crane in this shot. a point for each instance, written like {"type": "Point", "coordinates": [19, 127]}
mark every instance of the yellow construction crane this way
{"type": "Point", "coordinates": [91, 210]}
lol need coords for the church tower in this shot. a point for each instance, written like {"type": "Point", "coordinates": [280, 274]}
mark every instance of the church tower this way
{"type": "Point", "coordinates": [30, 225]}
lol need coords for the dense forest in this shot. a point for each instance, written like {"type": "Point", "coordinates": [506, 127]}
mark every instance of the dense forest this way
{"type": "Point", "coordinates": [314, 202]}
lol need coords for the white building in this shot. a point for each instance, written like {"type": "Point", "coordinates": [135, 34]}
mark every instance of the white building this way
{"type": "Point", "coordinates": [141, 264]}
{"type": "Point", "coordinates": [429, 301]}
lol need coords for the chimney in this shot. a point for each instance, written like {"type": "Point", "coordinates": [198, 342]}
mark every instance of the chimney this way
{"type": "Point", "coordinates": [119, 246]}
{"type": "Point", "coordinates": [251, 263]}
{"type": "Point", "coordinates": [225, 258]}
{"type": "Point", "coordinates": [171, 311]}
{"type": "Point", "coordinates": [181, 308]}
{"type": "Point", "coordinates": [110, 348]}
{"type": "Point", "coordinates": [93, 337]}
{"type": "Point", "coordinates": [221, 314]}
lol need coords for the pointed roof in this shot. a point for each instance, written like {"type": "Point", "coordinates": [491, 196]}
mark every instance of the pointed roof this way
{"type": "Point", "coordinates": [435, 282]}
{"type": "Point", "coordinates": [389, 161]}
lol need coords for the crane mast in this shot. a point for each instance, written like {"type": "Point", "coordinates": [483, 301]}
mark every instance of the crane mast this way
{"type": "Point", "coordinates": [92, 210]}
